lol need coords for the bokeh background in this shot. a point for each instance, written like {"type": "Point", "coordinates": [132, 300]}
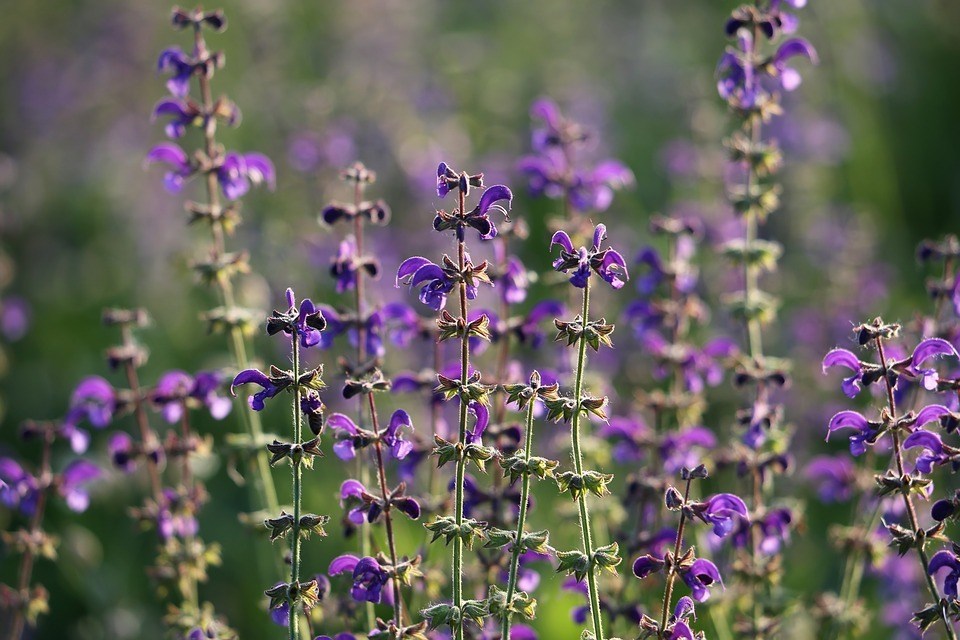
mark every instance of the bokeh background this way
{"type": "Point", "coordinates": [873, 165]}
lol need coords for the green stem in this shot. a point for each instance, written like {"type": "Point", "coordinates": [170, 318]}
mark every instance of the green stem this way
{"type": "Point", "coordinates": [457, 576]}
{"type": "Point", "coordinates": [521, 520]}
{"type": "Point", "coordinates": [672, 573]}
{"type": "Point", "coordinates": [297, 490]}
{"type": "Point", "coordinates": [585, 534]}
{"type": "Point", "coordinates": [387, 517]}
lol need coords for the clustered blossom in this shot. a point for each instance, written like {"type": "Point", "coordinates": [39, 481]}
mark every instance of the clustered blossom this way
{"type": "Point", "coordinates": [607, 263]}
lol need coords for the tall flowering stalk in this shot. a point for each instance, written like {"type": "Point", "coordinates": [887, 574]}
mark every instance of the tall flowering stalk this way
{"type": "Point", "coordinates": [303, 323]}
{"type": "Point", "coordinates": [611, 267]}
{"type": "Point", "coordinates": [29, 493]}
{"type": "Point", "coordinates": [906, 432]}
{"type": "Point", "coordinates": [226, 176]}
{"type": "Point", "coordinates": [750, 80]}
{"type": "Point", "coordinates": [435, 282]}
{"type": "Point", "coordinates": [521, 465]}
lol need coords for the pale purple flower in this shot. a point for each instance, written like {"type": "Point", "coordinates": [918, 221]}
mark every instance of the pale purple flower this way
{"type": "Point", "coordinates": [866, 431]}
{"type": "Point", "coordinates": [722, 511]}
{"type": "Point", "coordinates": [844, 358]}
{"type": "Point", "coordinates": [394, 437]}
{"type": "Point", "coordinates": [834, 476]}
{"type": "Point", "coordinates": [927, 349]}
{"type": "Point", "coordinates": [432, 280]}
{"type": "Point", "coordinates": [73, 481]}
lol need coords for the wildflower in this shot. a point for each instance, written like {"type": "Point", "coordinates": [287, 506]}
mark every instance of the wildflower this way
{"type": "Point", "coordinates": [700, 575]}
{"type": "Point", "coordinates": [271, 386]}
{"type": "Point", "coordinates": [721, 511]}
{"type": "Point", "coordinates": [607, 263]}
{"type": "Point", "coordinates": [834, 476]}
{"type": "Point", "coordinates": [369, 577]}
{"type": "Point", "coordinates": [946, 559]}
{"type": "Point", "coordinates": [844, 358]}
{"type": "Point", "coordinates": [72, 484]}
{"type": "Point", "coordinates": [478, 218]}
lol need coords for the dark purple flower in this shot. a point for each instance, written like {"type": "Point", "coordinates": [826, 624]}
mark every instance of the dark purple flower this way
{"type": "Point", "coordinates": [927, 349]}
{"type": "Point", "coordinates": [400, 425]}
{"type": "Point", "coordinates": [434, 281]}
{"type": "Point", "coordinates": [369, 577]}
{"type": "Point", "coordinates": [866, 432]}
{"type": "Point", "coordinates": [345, 265]}
{"type": "Point", "coordinates": [339, 636]}
{"type": "Point", "coordinates": [834, 476]}
{"type": "Point", "coordinates": [481, 417]}
{"type": "Point", "coordinates": [180, 66]}
{"type": "Point", "coordinates": [773, 529]}
{"type": "Point", "coordinates": [608, 263]}
{"type": "Point", "coordinates": [722, 511]}
{"type": "Point", "coordinates": [844, 358]}
{"type": "Point", "coordinates": [122, 451]}
{"type": "Point", "coordinates": [72, 485]}
{"type": "Point", "coordinates": [271, 386]}
{"type": "Point", "coordinates": [182, 113]}
{"type": "Point", "coordinates": [358, 500]}
{"type": "Point", "coordinates": [699, 576]}
{"type": "Point", "coordinates": [932, 450]}
{"type": "Point", "coordinates": [478, 218]}
{"type": "Point", "coordinates": [645, 565]}
{"type": "Point", "coordinates": [181, 167]}
{"type": "Point", "coordinates": [19, 490]}
{"type": "Point", "coordinates": [737, 81]}
{"type": "Point", "coordinates": [307, 322]}
{"type": "Point", "coordinates": [946, 559]}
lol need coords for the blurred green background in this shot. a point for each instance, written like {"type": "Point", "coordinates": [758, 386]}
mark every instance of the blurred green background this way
{"type": "Point", "coordinates": [872, 140]}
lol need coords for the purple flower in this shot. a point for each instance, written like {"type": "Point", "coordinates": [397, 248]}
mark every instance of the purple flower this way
{"type": "Point", "coordinates": [401, 323]}
{"type": "Point", "coordinates": [170, 394]}
{"type": "Point", "coordinates": [478, 218]}
{"type": "Point", "coordinates": [176, 516]}
{"type": "Point", "coordinates": [608, 263]}
{"type": "Point", "coordinates": [182, 113]}
{"type": "Point", "coordinates": [927, 349]}
{"type": "Point", "coordinates": [866, 431]}
{"type": "Point", "coordinates": [358, 500]}
{"type": "Point", "coordinates": [774, 531]}
{"type": "Point", "coordinates": [400, 425]}
{"type": "Point", "coordinates": [721, 511]}
{"type": "Point", "coordinates": [122, 451]}
{"type": "Point", "coordinates": [513, 282]}
{"type": "Point", "coordinates": [271, 386]}
{"type": "Point", "coordinates": [369, 577]}
{"type": "Point", "coordinates": [933, 451]}
{"type": "Point", "coordinates": [347, 262]}
{"type": "Point", "coordinates": [19, 489]}
{"type": "Point", "coordinates": [481, 417]}
{"type": "Point", "coordinates": [206, 390]}
{"type": "Point", "coordinates": [834, 475]}
{"type": "Point", "coordinates": [181, 167]}
{"type": "Point", "coordinates": [699, 576]}
{"type": "Point", "coordinates": [238, 171]}
{"type": "Point", "coordinates": [93, 400]}
{"type": "Point", "coordinates": [737, 81]}
{"type": "Point", "coordinates": [844, 358]}
{"type": "Point", "coordinates": [346, 436]}
{"type": "Point", "coordinates": [946, 559]}
{"type": "Point", "coordinates": [788, 76]}
{"type": "Point", "coordinates": [434, 281]}
{"type": "Point", "coordinates": [72, 485]}
{"type": "Point", "coordinates": [180, 66]}
{"type": "Point", "coordinates": [306, 323]}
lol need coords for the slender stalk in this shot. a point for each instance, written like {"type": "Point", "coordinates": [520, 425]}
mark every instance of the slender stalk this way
{"type": "Point", "coordinates": [585, 534]}
{"type": "Point", "coordinates": [387, 517]}
{"type": "Point", "coordinates": [297, 488]}
{"type": "Point", "coordinates": [25, 572]}
{"type": "Point", "coordinates": [672, 572]}
{"type": "Point", "coordinates": [147, 436]}
{"type": "Point", "coordinates": [362, 472]}
{"type": "Point", "coordinates": [907, 500]}
{"type": "Point", "coordinates": [521, 521]}
{"type": "Point", "coordinates": [260, 464]}
{"type": "Point", "coordinates": [457, 576]}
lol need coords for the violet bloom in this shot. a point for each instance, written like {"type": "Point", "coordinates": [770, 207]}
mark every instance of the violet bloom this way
{"type": "Point", "coordinates": [434, 281]}
{"type": "Point", "coordinates": [18, 488]}
{"type": "Point", "coordinates": [481, 417]}
{"type": "Point", "coordinates": [866, 431]}
{"type": "Point", "coordinates": [270, 386]}
{"type": "Point", "coordinates": [685, 448]}
{"type": "Point", "coordinates": [307, 322]}
{"type": "Point", "coordinates": [400, 322]}
{"type": "Point", "coordinates": [608, 264]}
{"type": "Point", "coordinates": [843, 358]}
{"type": "Point", "coordinates": [180, 66]}
{"type": "Point", "coordinates": [529, 331]}
{"type": "Point", "coordinates": [345, 265]}
{"type": "Point", "coordinates": [721, 511]}
{"type": "Point", "coordinates": [946, 559]}
{"type": "Point", "coordinates": [932, 450]}
{"type": "Point", "coordinates": [94, 400]}
{"type": "Point", "coordinates": [206, 390]}
{"type": "Point", "coordinates": [927, 349]}
{"type": "Point", "coordinates": [774, 531]}
{"type": "Point", "coordinates": [630, 436]}
{"type": "Point", "coordinates": [182, 113]}
{"type": "Point", "coordinates": [175, 516]}
{"type": "Point", "coordinates": [369, 577]}
{"type": "Point", "coordinates": [73, 481]}
{"type": "Point", "coordinates": [478, 218]}
{"type": "Point", "coordinates": [789, 77]}
{"type": "Point", "coordinates": [394, 437]}
{"type": "Point", "coordinates": [122, 451]}
{"type": "Point", "coordinates": [170, 393]}
{"type": "Point", "coordinates": [834, 476]}
{"type": "Point", "coordinates": [346, 436]}
{"type": "Point", "coordinates": [235, 172]}
{"type": "Point", "coordinates": [337, 325]}
{"type": "Point", "coordinates": [699, 576]}
{"type": "Point", "coordinates": [679, 629]}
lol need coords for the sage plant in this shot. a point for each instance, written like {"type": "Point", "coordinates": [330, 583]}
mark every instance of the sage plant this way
{"type": "Point", "coordinates": [226, 177]}
{"type": "Point", "coordinates": [610, 266]}
{"type": "Point", "coordinates": [750, 79]}
{"type": "Point", "coordinates": [303, 323]}
{"type": "Point", "coordinates": [905, 431]}
{"type": "Point", "coordinates": [435, 283]}
{"type": "Point", "coordinates": [29, 492]}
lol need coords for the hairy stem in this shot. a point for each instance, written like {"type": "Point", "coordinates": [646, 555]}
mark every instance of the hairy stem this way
{"type": "Point", "coordinates": [521, 521]}
{"type": "Point", "coordinates": [585, 534]}
{"type": "Point", "coordinates": [297, 489]}
{"type": "Point", "coordinates": [907, 500]}
{"type": "Point", "coordinates": [387, 516]}
{"type": "Point", "coordinates": [672, 571]}
{"type": "Point", "coordinates": [457, 576]}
